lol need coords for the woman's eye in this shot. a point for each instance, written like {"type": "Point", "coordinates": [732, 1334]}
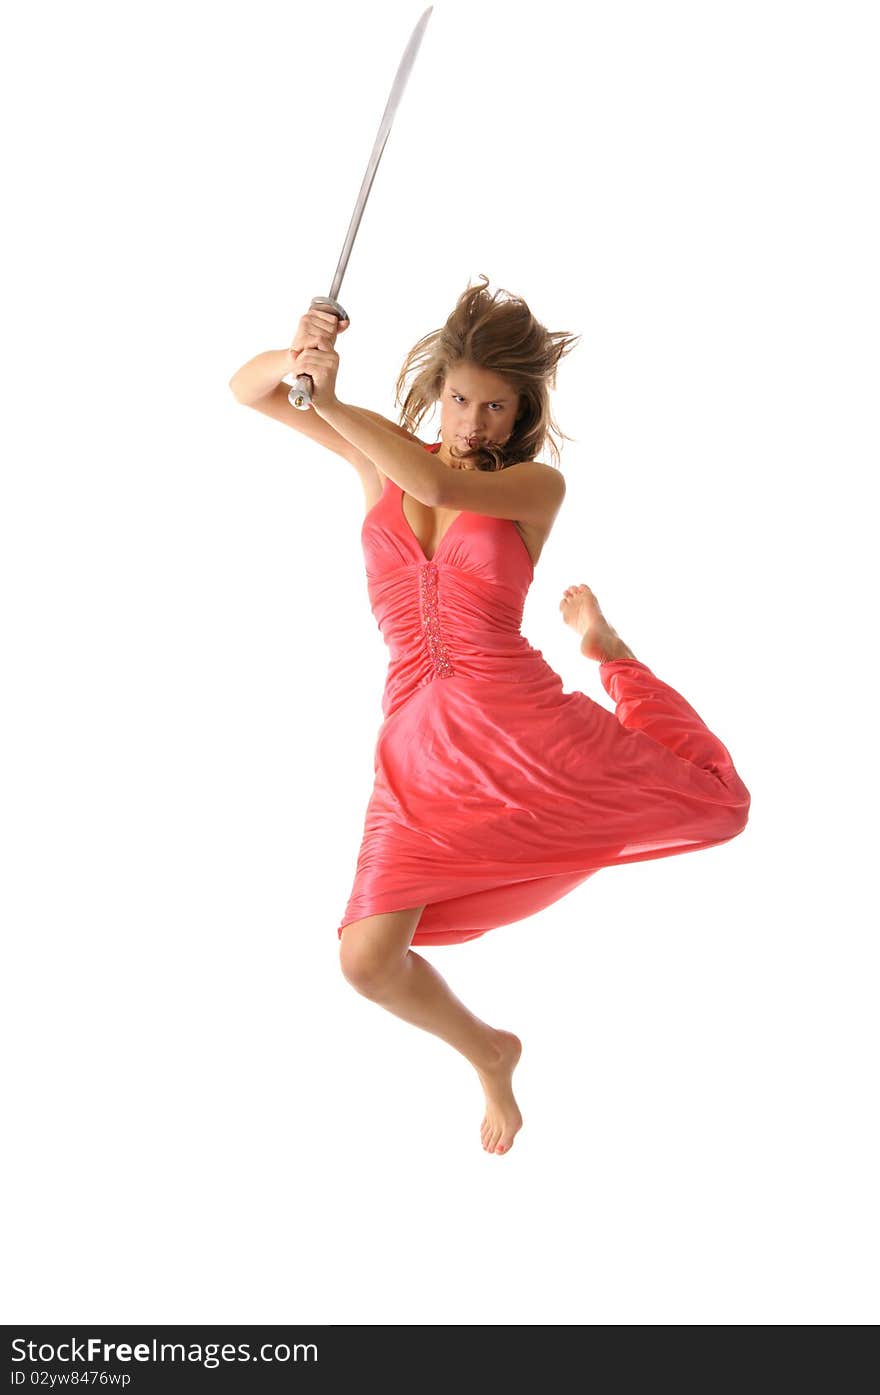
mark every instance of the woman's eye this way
{"type": "Point", "coordinates": [457, 395]}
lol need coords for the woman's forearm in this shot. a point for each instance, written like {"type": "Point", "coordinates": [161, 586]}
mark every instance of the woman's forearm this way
{"type": "Point", "coordinates": [257, 377]}
{"type": "Point", "coordinates": [409, 465]}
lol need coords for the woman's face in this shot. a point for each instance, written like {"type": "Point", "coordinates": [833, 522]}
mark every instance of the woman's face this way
{"type": "Point", "coordinates": [475, 407]}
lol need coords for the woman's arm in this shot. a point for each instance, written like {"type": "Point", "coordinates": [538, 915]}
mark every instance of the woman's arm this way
{"type": "Point", "coordinates": [259, 375]}
{"type": "Point", "coordinates": [259, 384]}
{"type": "Point", "coordinates": [406, 462]}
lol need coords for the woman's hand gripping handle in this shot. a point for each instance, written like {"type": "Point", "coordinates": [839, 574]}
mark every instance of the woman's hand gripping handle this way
{"type": "Point", "coordinates": [318, 328]}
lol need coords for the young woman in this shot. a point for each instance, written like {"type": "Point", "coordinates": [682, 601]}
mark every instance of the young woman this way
{"type": "Point", "coordinates": [495, 792]}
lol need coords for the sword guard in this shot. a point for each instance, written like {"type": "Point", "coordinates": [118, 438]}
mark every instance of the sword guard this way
{"type": "Point", "coordinates": [300, 395]}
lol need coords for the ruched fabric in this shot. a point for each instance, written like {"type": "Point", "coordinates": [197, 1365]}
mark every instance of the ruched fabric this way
{"type": "Point", "coordinates": [495, 792]}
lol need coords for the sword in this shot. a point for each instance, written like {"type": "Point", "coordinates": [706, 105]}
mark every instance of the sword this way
{"type": "Point", "coordinates": [303, 386]}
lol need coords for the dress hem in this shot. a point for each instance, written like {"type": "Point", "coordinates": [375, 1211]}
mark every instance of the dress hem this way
{"type": "Point", "coordinates": [439, 935]}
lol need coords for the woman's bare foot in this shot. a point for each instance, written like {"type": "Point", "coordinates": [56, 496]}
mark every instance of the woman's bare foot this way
{"type": "Point", "coordinates": [502, 1118]}
{"type": "Point", "coordinates": [580, 609]}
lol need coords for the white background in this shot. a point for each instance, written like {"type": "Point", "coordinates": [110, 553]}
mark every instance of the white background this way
{"type": "Point", "coordinates": [206, 1122]}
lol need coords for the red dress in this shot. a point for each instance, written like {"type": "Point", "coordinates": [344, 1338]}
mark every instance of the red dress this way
{"type": "Point", "coordinates": [495, 792]}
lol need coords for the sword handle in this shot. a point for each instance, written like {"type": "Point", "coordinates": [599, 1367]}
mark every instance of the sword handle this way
{"type": "Point", "coordinates": [300, 395]}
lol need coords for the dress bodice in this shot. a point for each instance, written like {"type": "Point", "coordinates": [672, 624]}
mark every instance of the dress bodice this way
{"type": "Point", "coordinates": [459, 613]}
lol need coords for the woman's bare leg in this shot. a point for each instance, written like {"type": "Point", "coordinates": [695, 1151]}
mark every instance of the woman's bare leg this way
{"type": "Point", "coordinates": [376, 959]}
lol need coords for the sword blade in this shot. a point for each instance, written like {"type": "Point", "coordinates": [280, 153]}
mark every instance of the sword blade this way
{"type": "Point", "coordinates": [400, 81]}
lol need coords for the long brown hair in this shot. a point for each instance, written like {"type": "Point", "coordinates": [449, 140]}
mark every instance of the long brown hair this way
{"type": "Point", "coordinates": [500, 334]}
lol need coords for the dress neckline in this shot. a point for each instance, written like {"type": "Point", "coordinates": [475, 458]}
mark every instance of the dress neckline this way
{"type": "Point", "coordinates": [409, 528]}
{"type": "Point", "coordinates": [417, 546]}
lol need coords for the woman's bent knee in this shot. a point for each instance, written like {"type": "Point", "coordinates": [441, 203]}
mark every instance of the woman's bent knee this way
{"type": "Point", "coordinates": [363, 967]}
{"type": "Point", "coordinates": [371, 950]}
